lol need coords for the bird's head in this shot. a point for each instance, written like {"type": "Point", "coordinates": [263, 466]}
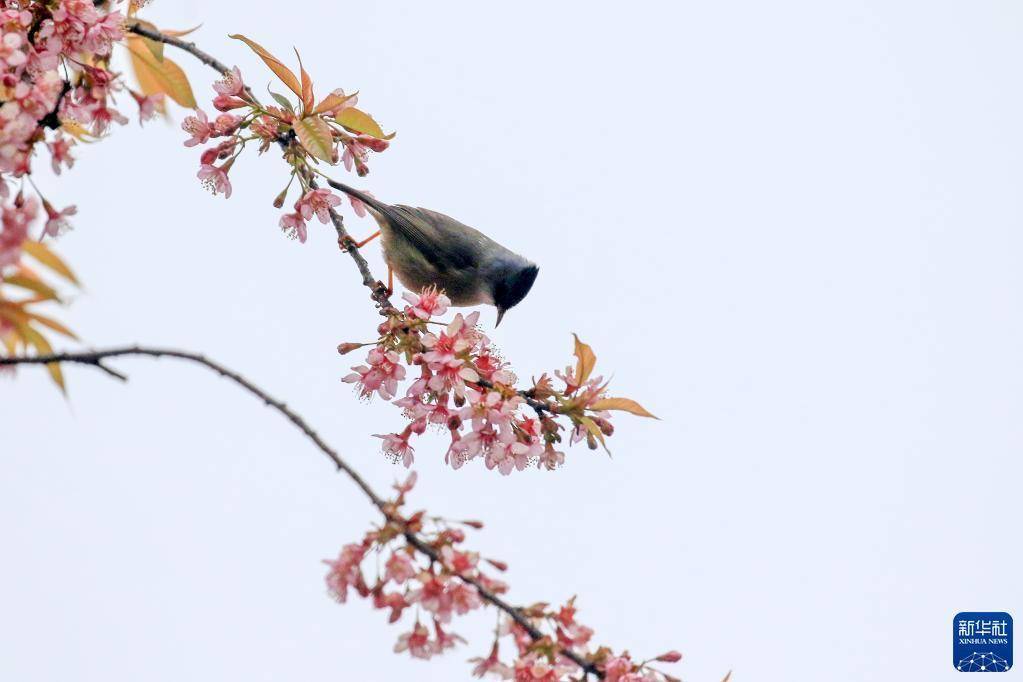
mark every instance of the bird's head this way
{"type": "Point", "coordinates": [509, 285]}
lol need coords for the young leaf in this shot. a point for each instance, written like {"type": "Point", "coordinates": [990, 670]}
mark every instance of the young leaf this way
{"type": "Point", "coordinates": [42, 253]}
{"type": "Point", "coordinates": [586, 360]}
{"type": "Point", "coordinates": [27, 281]}
{"type": "Point", "coordinates": [332, 101]}
{"type": "Point", "coordinates": [53, 324]}
{"type": "Point", "coordinates": [314, 134]}
{"type": "Point", "coordinates": [155, 46]}
{"type": "Point", "coordinates": [282, 100]}
{"type": "Point", "coordinates": [359, 121]}
{"type": "Point", "coordinates": [623, 404]}
{"type": "Point", "coordinates": [156, 76]}
{"type": "Point", "coordinates": [286, 75]}
{"type": "Point", "coordinates": [180, 33]}
{"type": "Point", "coordinates": [42, 346]}
{"type": "Point", "coordinates": [308, 99]}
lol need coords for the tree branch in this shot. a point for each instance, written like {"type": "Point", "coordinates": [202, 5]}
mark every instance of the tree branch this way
{"type": "Point", "coordinates": [379, 292]}
{"type": "Point", "coordinates": [95, 358]}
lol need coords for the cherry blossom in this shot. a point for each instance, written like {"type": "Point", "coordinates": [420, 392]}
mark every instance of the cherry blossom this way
{"type": "Point", "coordinates": [199, 127]}
{"type": "Point", "coordinates": [148, 105]}
{"type": "Point", "coordinates": [293, 225]}
{"type": "Point", "coordinates": [317, 202]}
{"type": "Point", "coordinates": [397, 446]}
{"type": "Point", "coordinates": [57, 223]}
{"type": "Point", "coordinates": [429, 303]}
{"type": "Point", "coordinates": [400, 568]}
{"type": "Point", "coordinates": [442, 588]}
{"type": "Point", "coordinates": [231, 84]}
{"type": "Point", "coordinates": [417, 642]}
{"type": "Point", "coordinates": [215, 179]}
{"type": "Point", "coordinates": [16, 220]}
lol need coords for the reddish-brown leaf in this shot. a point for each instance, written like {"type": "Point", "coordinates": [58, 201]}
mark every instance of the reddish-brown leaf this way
{"type": "Point", "coordinates": [308, 99]}
{"type": "Point", "coordinates": [286, 75]}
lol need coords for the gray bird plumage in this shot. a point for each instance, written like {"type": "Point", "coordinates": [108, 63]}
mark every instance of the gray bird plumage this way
{"type": "Point", "coordinates": [424, 248]}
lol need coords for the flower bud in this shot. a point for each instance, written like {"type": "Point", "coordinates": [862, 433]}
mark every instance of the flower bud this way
{"type": "Point", "coordinates": [670, 657]}
{"type": "Point", "coordinates": [227, 103]}
{"type": "Point", "coordinates": [209, 156]}
{"type": "Point", "coordinates": [373, 143]}
{"type": "Point", "coordinates": [342, 348]}
{"type": "Point", "coordinates": [606, 427]}
{"type": "Point", "coordinates": [478, 525]}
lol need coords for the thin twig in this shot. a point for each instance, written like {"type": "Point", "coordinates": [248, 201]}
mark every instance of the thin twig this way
{"type": "Point", "coordinates": [95, 358]}
{"type": "Point", "coordinates": [189, 47]}
{"type": "Point", "coordinates": [380, 293]}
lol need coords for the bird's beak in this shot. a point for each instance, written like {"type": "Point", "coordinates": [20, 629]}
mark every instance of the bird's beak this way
{"type": "Point", "coordinates": [500, 316]}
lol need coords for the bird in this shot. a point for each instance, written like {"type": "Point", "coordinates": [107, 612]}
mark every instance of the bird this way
{"type": "Point", "coordinates": [426, 248]}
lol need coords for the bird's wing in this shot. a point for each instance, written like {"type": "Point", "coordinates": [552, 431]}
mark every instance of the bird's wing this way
{"type": "Point", "coordinates": [443, 241]}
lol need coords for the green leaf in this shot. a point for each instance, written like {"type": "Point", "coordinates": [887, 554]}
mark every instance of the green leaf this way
{"type": "Point", "coordinates": [314, 134]}
{"type": "Point", "coordinates": [282, 100]}
{"type": "Point", "coordinates": [359, 121]}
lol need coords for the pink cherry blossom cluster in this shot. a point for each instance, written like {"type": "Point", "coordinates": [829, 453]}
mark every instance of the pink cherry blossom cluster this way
{"type": "Point", "coordinates": [466, 388]}
{"type": "Point", "coordinates": [54, 77]}
{"type": "Point", "coordinates": [417, 562]}
{"type": "Point", "coordinates": [269, 125]}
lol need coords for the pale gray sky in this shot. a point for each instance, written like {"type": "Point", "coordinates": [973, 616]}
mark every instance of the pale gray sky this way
{"type": "Point", "coordinates": [790, 228]}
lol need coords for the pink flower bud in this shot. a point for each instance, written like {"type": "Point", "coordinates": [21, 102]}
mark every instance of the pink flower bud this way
{"type": "Point", "coordinates": [342, 348]}
{"type": "Point", "coordinates": [670, 657]}
{"type": "Point", "coordinates": [209, 156]}
{"type": "Point", "coordinates": [373, 143]}
{"type": "Point", "coordinates": [227, 103]}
